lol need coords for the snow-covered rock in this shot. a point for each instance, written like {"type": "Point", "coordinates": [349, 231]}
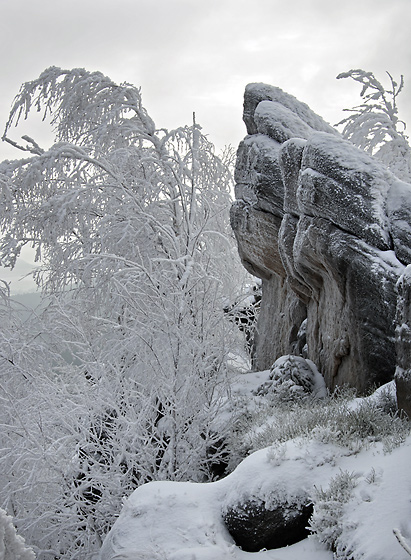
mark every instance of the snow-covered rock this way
{"type": "Point", "coordinates": [328, 230]}
{"type": "Point", "coordinates": [255, 93]}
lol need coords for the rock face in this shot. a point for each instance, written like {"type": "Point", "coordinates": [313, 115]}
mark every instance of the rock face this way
{"type": "Point", "coordinates": [327, 229]}
{"type": "Point", "coordinates": [403, 343]}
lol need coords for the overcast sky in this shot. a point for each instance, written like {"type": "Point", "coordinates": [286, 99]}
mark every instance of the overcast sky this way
{"type": "Point", "coordinates": [198, 55]}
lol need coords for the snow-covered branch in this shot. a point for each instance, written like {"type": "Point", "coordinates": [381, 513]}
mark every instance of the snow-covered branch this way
{"type": "Point", "coordinates": [402, 541]}
{"type": "Point", "coordinates": [374, 125]}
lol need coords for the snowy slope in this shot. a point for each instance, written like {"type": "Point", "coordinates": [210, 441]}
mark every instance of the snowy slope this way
{"type": "Point", "coordinates": [183, 520]}
{"type": "Point", "coordinates": [179, 521]}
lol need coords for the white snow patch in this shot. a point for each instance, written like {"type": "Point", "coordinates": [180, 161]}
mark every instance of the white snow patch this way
{"type": "Point", "coordinates": [302, 110]}
{"type": "Point", "coordinates": [12, 546]}
{"type": "Point", "coordinates": [183, 520]}
{"type": "Point", "coordinates": [286, 122]}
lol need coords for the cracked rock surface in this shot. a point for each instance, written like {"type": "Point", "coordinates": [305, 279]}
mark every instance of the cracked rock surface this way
{"type": "Point", "coordinates": [327, 229]}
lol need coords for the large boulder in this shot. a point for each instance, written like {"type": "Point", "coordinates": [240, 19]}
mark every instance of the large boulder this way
{"type": "Point", "coordinates": [327, 229]}
{"type": "Point", "coordinates": [255, 527]}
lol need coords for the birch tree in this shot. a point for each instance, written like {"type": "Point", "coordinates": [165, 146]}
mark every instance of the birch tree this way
{"type": "Point", "coordinates": [129, 224]}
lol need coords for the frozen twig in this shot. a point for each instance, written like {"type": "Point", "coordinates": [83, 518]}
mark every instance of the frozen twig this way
{"type": "Point", "coordinates": [402, 541]}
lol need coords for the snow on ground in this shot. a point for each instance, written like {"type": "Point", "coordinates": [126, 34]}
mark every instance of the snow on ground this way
{"type": "Point", "coordinates": [183, 520]}
{"type": "Point", "coordinates": [382, 503]}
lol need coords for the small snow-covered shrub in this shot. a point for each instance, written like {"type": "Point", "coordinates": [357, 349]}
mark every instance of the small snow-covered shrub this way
{"type": "Point", "coordinates": [386, 399]}
{"type": "Point", "coordinates": [292, 379]}
{"type": "Point", "coordinates": [329, 505]}
{"type": "Point", "coordinates": [286, 422]}
{"type": "Point", "coordinates": [361, 426]}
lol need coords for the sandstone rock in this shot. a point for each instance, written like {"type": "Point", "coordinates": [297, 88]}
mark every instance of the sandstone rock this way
{"type": "Point", "coordinates": [287, 235]}
{"type": "Point", "coordinates": [255, 232]}
{"type": "Point", "coordinates": [290, 163]}
{"type": "Point", "coordinates": [279, 123]}
{"type": "Point", "coordinates": [279, 321]}
{"type": "Point", "coordinates": [399, 214]}
{"type": "Point", "coordinates": [340, 183]}
{"type": "Point", "coordinates": [403, 343]}
{"type": "Point", "coordinates": [255, 527]}
{"type": "Point", "coordinates": [350, 316]}
{"type": "Point", "coordinates": [258, 174]}
{"type": "Point", "coordinates": [325, 225]}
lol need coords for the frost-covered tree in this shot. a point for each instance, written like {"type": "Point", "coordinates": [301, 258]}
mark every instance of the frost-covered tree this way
{"type": "Point", "coordinates": [130, 226]}
{"type": "Point", "coordinates": [375, 126]}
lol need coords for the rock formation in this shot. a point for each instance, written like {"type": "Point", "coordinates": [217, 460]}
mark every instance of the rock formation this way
{"type": "Point", "coordinates": [403, 343]}
{"type": "Point", "coordinates": [327, 229]}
